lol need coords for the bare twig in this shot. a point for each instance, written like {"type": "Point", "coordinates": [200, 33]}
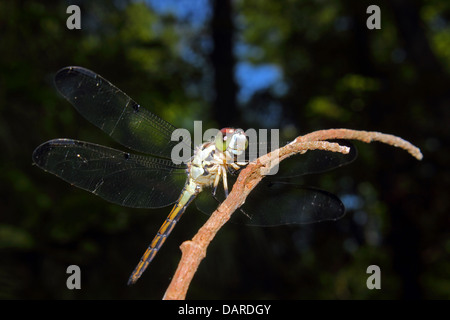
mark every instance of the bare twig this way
{"type": "Point", "coordinates": [194, 251]}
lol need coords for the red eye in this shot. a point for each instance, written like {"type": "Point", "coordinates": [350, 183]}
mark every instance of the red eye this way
{"type": "Point", "coordinates": [227, 131]}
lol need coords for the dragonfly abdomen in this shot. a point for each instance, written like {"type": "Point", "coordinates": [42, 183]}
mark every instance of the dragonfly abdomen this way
{"type": "Point", "coordinates": [178, 209]}
{"type": "Point", "coordinates": [152, 249]}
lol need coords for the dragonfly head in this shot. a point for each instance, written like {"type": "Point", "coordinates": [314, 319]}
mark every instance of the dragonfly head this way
{"type": "Point", "coordinates": [231, 140]}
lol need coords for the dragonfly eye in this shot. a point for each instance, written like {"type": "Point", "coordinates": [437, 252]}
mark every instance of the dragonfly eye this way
{"type": "Point", "coordinates": [232, 140]}
{"type": "Point", "coordinates": [223, 139]}
{"type": "Point", "coordinates": [237, 142]}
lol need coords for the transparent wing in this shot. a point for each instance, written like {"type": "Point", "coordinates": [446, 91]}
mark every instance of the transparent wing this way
{"type": "Point", "coordinates": [114, 112]}
{"type": "Point", "coordinates": [311, 162]}
{"type": "Point", "coordinates": [279, 203]}
{"type": "Point", "coordinates": [119, 177]}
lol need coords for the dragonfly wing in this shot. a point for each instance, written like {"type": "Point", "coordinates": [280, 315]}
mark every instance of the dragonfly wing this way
{"type": "Point", "coordinates": [207, 203]}
{"type": "Point", "coordinates": [316, 161]}
{"type": "Point", "coordinates": [279, 203]}
{"type": "Point", "coordinates": [275, 202]}
{"type": "Point", "coordinates": [119, 177]}
{"type": "Point", "coordinates": [115, 112]}
{"type": "Point", "coordinates": [311, 162]}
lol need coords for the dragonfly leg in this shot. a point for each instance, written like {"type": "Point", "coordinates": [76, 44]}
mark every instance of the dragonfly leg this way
{"type": "Point", "coordinates": [215, 198]}
{"type": "Point", "coordinates": [225, 181]}
{"type": "Point", "coordinates": [216, 183]}
{"type": "Point", "coordinates": [245, 213]}
{"type": "Point", "coordinates": [238, 165]}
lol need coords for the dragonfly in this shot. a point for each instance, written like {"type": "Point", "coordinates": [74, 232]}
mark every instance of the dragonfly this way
{"type": "Point", "coordinates": [149, 178]}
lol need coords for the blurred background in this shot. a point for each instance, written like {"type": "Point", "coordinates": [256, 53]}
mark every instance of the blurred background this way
{"type": "Point", "coordinates": [299, 66]}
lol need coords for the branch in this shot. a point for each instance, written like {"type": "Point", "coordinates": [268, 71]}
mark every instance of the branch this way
{"type": "Point", "coordinates": [365, 136]}
{"type": "Point", "coordinates": [194, 251]}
